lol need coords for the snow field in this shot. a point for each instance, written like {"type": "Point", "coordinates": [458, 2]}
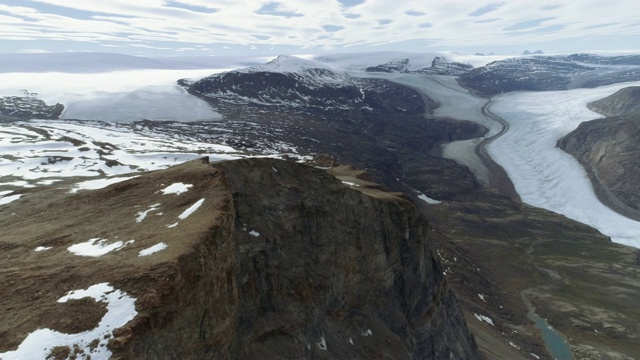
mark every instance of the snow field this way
{"type": "Point", "coordinates": [89, 149]}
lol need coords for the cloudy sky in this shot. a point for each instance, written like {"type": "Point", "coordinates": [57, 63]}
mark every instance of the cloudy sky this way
{"type": "Point", "coordinates": [237, 27]}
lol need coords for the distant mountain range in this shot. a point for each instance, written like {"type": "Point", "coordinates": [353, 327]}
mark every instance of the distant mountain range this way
{"type": "Point", "coordinates": [540, 73]}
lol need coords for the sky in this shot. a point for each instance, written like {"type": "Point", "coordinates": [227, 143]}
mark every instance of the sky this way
{"type": "Point", "coordinates": [251, 27]}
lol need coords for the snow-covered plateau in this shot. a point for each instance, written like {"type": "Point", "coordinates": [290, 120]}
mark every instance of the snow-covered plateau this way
{"type": "Point", "coordinates": [544, 175]}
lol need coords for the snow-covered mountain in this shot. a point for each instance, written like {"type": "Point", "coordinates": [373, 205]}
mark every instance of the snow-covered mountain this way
{"type": "Point", "coordinates": [292, 82]}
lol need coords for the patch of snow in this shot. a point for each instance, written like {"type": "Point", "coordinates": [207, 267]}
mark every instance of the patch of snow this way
{"type": "Point", "coordinates": [172, 225]}
{"type": "Point", "coordinates": [428, 200]}
{"type": "Point", "coordinates": [42, 248]}
{"type": "Point", "coordinates": [350, 183]}
{"type": "Point", "coordinates": [535, 356]}
{"type": "Point", "coordinates": [99, 183]}
{"type": "Point", "coordinates": [153, 249]}
{"type": "Point", "coordinates": [120, 310]}
{"type": "Point", "coordinates": [366, 333]}
{"type": "Point", "coordinates": [481, 296]}
{"type": "Point", "coordinates": [48, 181]}
{"type": "Point", "coordinates": [514, 345]}
{"type": "Point", "coordinates": [96, 247]}
{"type": "Point", "coordinates": [485, 319]}
{"type": "Point", "coordinates": [143, 214]}
{"type": "Point", "coordinates": [177, 188]}
{"type": "Point", "coordinates": [254, 233]}
{"type": "Point", "coordinates": [191, 210]}
{"type": "Point", "coordinates": [351, 341]}
{"type": "Point", "coordinates": [7, 199]}
{"type": "Point", "coordinates": [322, 345]}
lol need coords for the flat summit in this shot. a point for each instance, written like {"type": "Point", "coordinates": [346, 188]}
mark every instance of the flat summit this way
{"type": "Point", "coordinates": [311, 268]}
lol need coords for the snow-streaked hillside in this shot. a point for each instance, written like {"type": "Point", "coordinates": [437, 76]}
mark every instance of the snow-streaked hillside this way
{"type": "Point", "coordinates": [36, 153]}
{"type": "Point", "coordinates": [546, 176]}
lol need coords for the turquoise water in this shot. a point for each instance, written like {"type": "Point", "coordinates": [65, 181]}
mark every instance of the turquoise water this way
{"type": "Point", "coordinates": [554, 342]}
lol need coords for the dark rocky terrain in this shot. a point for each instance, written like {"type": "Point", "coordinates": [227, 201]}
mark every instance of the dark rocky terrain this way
{"type": "Point", "coordinates": [27, 107]}
{"type": "Point", "coordinates": [310, 268]}
{"type": "Point", "coordinates": [396, 66]}
{"type": "Point", "coordinates": [441, 66]}
{"type": "Point", "coordinates": [542, 73]}
{"type": "Point", "coordinates": [609, 150]}
{"type": "Point", "coordinates": [389, 144]}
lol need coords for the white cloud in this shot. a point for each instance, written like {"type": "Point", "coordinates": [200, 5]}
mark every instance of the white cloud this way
{"type": "Point", "coordinates": [187, 23]}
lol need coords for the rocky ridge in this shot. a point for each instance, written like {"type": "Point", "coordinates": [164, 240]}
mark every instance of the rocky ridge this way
{"type": "Point", "coordinates": [247, 274]}
{"type": "Point", "coordinates": [27, 107]}
{"type": "Point", "coordinates": [439, 66]}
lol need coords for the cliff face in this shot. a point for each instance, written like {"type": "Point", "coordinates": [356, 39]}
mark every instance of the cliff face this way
{"type": "Point", "coordinates": [310, 268]}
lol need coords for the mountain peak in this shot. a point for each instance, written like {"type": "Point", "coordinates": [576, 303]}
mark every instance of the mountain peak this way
{"type": "Point", "coordinates": [288, 64]}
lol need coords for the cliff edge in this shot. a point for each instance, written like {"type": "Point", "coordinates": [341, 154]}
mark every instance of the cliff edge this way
{"type": "Point", "coordinates": [255, 258]}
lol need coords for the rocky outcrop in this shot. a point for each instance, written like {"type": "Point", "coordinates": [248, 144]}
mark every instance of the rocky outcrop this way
{"type": "Point", "coordinates": [609, 150]}
{"type": "Point", "coordinates": [395, 66]}
{"type": "Point", "coordinates": [442, 66]}
{"type": "Point", "coordinates": [439, 66]}
{"type": "Point", "coordinates": [28, 107]}
{"type": "Point", "coordinates": [310, 268]}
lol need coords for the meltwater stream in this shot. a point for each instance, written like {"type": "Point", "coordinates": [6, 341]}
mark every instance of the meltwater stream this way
{"type": "Point", "coordinates": [544, 175]}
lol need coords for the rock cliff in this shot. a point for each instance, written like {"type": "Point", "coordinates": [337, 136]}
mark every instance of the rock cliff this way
{"type": "Point", "coordinates": [311, 268]}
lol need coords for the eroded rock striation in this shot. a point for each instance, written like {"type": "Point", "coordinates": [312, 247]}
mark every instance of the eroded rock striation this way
{"type": "Point", "coordinates": [311, 268]}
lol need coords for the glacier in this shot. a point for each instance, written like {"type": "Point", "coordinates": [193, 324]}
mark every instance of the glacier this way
{"type": "Point", "coordinates": [543, 174]}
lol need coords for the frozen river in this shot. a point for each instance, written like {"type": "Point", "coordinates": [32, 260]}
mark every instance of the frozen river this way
{"type": "Point", "coordinates": [544, 175]}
